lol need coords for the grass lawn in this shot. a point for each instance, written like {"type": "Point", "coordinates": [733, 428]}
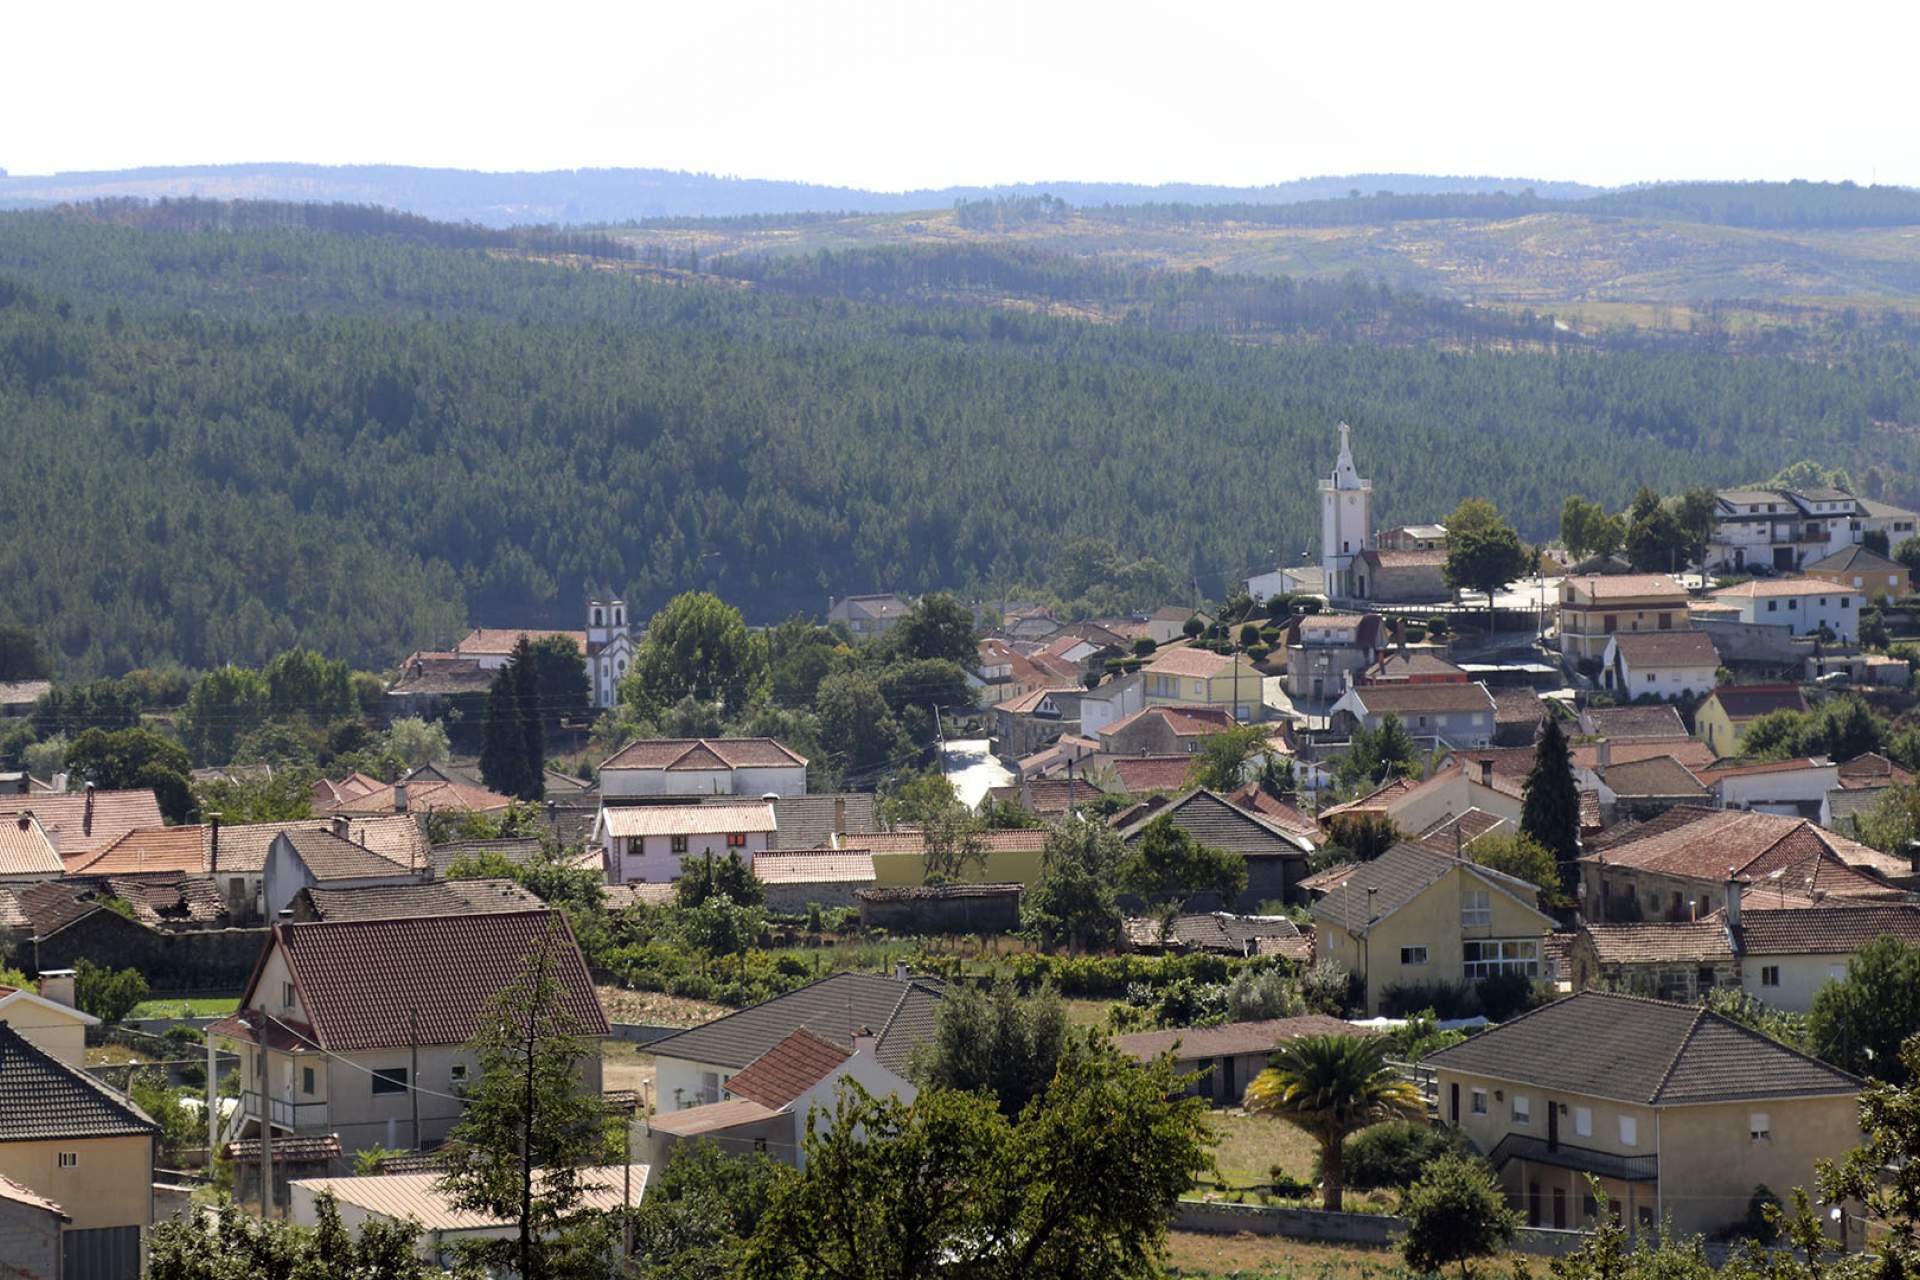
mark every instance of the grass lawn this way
{"type": "Point", "coordinates": [1251, 1145]}
{"type": "Point", "coordinates": [1088, 1013]}
{"type": "Point", "coordinates": [1190, 1253]}
{"type": "Point", "coordinates": [186, 1007]}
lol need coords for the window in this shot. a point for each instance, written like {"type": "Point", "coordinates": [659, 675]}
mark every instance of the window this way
{"type": "Point", "coordinates": [1773, 606]}
{"type": "Point", "coordinates": [1583, 1122]}
{"type": "Point", "coordinates": [1666, 622]}
{"type": "Point", "coordinates": [1613, 1207]}
{"type": "Point", "coordinates": [678, 844]}
{"type": "Point", "coordinates": [306, 1081]}
{"type": "Point", "coordinates": [457, 1073]}
{"type": "Point", "coordinates": [1476, 908]}
{"type": "Point", "coordinates": [1479, 1102]}
{"type": "Point", "coordinates": [1760, 1127]}
{"type": "Point", "coordinates": [286, 994]}
{"type": "Point", "coordinates": [1522, 1109]}
{"type": "Point", "coordinates": [1413, 955]}
{"type": "Point", "coordinates": [1611, 622]}
{"type": "Point", "coordinates": [1649, 677]}
{"type": "Point", "coordinates": [69, 1159]}
{"type": "Point", "coordinates": [1793, 605]}
{"type": "Point", "coordinates": [389, 1080]}
{"type": "Point", "coordinates": [1629, 1131]}
{"type": "Point", "coordinates": [1513, 955]}
{"type": "Point", "coordinates": [1769, 975]}
{"type": "Point", "coordinates": [1646, 1216]}
{"type": "Point", "coordinates": [736, 839]}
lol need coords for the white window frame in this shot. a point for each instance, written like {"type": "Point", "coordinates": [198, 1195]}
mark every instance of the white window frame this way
{"type": "Point", "coordinates": [1522, 1109]}
{"type": "Point", "coordinates": [1769, 975]}
{"type": "Point", "coordinates": [1629, 1131]}
{"type": "Point", "coordinates": [1476, 908]}
{"type": "Point", "coordinates": [1493, 956]}
{"type": "Point", "coordinates": [69, 1160]}
{"type": "Point", "coordinates": [1583, 1122]}
{"type": "Point", "coordinates": [1759, 1127]}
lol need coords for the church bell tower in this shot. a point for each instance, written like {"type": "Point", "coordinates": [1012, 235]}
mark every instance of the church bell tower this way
{"type": "Point", "coordinates": [1346, 522]}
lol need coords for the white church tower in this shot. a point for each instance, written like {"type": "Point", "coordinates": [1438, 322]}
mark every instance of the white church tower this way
{"type": "Point", "coordinates": [1346, 521]}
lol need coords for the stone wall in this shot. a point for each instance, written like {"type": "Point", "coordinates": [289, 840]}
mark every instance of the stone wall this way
{"type": "Point", "coordinates": [963, 909]}
{"type": "Point", "coordinates": [1341, 1228]}
{"type": "Point", "coordinates": [794, 899]}
{"type": "Point", "coordinates": [197, 960]}
{"type": "Point", "coordinates": [29, 1241]}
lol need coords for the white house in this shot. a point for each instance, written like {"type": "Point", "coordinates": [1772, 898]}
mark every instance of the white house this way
{"type": "Point", "coordinates": [704, 767]}
{"type": "Point", "coordinates": [1795, 788]}
{"type": "Point", "coordinates": [1115, 700]}
{"type": "Point", "coordinates": [301, 859]}
{"type": "Point", "coordinates": [1666, 664]}
{"type": "Point", "coordinates": [1802, 605]}
{"type": "Point", "coordinates": [868, 615]}
{"type": "Point", "coordinates": [1460, 715]}
{"type": "Point", "coordinates": [649, 842]}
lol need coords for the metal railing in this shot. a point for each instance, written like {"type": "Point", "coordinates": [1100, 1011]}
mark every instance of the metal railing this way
{"type": "Point", "coordinates": [284, 1114]}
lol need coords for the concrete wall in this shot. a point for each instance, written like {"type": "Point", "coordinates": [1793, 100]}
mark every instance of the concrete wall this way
{"type": "Point", "coordinates": [682, 1082]}
{"type": "Point", "coordinates": [997, 914]}
{"type": "Point", "coordinates": [1804, 615]}
{"type": "Point", "coordinates": [1800, 977]}
{"type": "Point", "coordinates": [652, 858]}
{"type": "Point", "coordinates": [29, 1241]}
{"type": "Point", "coordinates": [59, 1031]}
{"type": "Point", "coordinates": [109, 1185]}
{"type": "Point", "coordinates": [792, 899]}
{"type": "Point", "coordinates": [1746, 642]}
{"type": "Point", "coordinates": [1709, 1165]}
{"type": "Point", "coordinates": [1433, 920]}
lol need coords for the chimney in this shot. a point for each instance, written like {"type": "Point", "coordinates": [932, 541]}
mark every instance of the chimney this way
{"type": "Point", "coordinates": [57, 985]}
{"type": "Point", "coordinates": [1913, 856]}
{"type": "Point", "coordinates": [1603, 754]}
{"type": "Point", "coordinates": [839, 815]}
{"type": "Point", "coordinates": [213, 842]}
{"type": "Point", "coordinates": [864, 1041]}
{"type": "Point", "coordinates": [400, 797]}
{"type": "Point", "coordinates": [1733, 901]}
{"type": "Point", "coordinates": [901, 971]}
{"type": "Point", "coordinates": [1486, 773]}
{"type": "Point", "coordinates": [341, 826]}
{"type": "Point", "coordinates": [86, 820]}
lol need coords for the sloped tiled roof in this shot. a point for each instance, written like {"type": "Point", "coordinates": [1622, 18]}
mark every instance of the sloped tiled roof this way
{"type": "Point", "coordinates": [1199, 664]}
{"type": "Point", "coordinates": [838, 866]}
{"type": "Point", "coordinates": [1743, 702]}
{"type": "Point", "coordinates": [1800, 764]}
{"type": "Point", "coordinates": [1625, 724]}
{"type": "Point", "coordinates": [1752, 845]}
{"type": "Point", "coordinates": [11, 1190]}
{"type": "Point", "coordinates": [1666, 649]}
{"type": "Point", "coordinates": [1830, 930]}
{"type": "Point", "coordinates": [1409, 665]}
{"type": "Point", "coordinates": [1209, 819]}
{"type": "Point", "coordinates": [1764, 588]}
{"type": "Point", "coordinates": [42, 1097]}
{"type": "Point", "coordinates": [686, 753]}
{"type": "Point", "coordinates": [1018, 840]}
{"type": "Point", "coordinates": [159, 901]}
{"type": "Point", "coordinates": [1231, 1038]}
{"type": "Point", "coordinates": [501, 640]}
{"type": "Point", "coordinates": [403, 901]}
{"type": "Point", "coordinates": [1856, 559]}
{"type": "Point", "coordinates": [1027, 703]}
{"type": "Point", "coordinates": [1624, 586]}
{"type": "Point", "coordinates": [787, 1070]}
{"type": "Point", "coordinates": [1185, 722]}
{"type": "Point", "coordinates": [1685, 942]}
{"type": "Point", "coordinates": [834, 1008]}
{"type": "Point", "coordinates": [714, 1117]}
{"type": "Point", "coordinates": [1387, 559]}
{"type": "Point", "coordinates": [25, 849]}
{"type": "Point", "coordinates": [1466, 827]}
{"type": "Point", "coordinates": [1654, 776]}
{"type": "Point", "coordinates": [1691, 752]}
{"type": "Point", "coordinates": [328, 857]}
{"type": "Point", "coordinates": [63, 816]}
{"type": "Point", "coordinates": [360, 980]}
{"type": "Point", "coordinates": [147, 851]}
{"type": "Point", "coordinates": [638, 820]}
{"type": "Point", "coordinates": [1400, 875]}
{"type": "Point", "coordinates": [1279, 812]}
{"type": "Point", "coordinates": [1377, 800]}
{"type": "Point", "coordinates": [1871, 769]}
{"type": "Point", "coordinates": [423, 796]}
{"type": "Point", "coordinates": [417, 1197]}
{"type": "Point", "coordinates": [1413, 699]}
{"type": "Point", "coordinates": [1141, 775]}
{"type": "Point", "coordinates": [396, 837]}
{"type": "Point", "coordinates": [1649, 1052]}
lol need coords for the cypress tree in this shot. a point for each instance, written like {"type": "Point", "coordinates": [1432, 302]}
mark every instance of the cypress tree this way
{"type": "Point", "coordinates": [503, 744]}
{"type": "Point", "coordinates": [1550, 808]}
{"type": "Point", "coordinates": [526, 680]}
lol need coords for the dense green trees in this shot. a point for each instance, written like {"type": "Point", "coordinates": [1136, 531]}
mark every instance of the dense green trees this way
{"type": "Point", "coordinates": [1166, 866]}
{"type": "Point", "coordinates": [1860, 1022]}
{"type": "Point", "coordinates": [127, 759]}
{"type": "Point", "coordinates": [997, 1040]}
{"type": "Point", "coordinates": [1331, 1086]}
{"type": "Point", "coordinates": [406, 437]}
{"type": "Point", "coordinates": [513, 750]}
{"type": "Point", "coordinates": [1550, 803]}
{"type": "Point", "coordinates": [697, 646]}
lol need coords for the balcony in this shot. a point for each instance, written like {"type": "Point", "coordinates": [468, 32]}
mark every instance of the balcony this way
{"type": "Point", "coordinates": [295, 1117]}
{"type": "Point", "coordinates": [1605, 1164]}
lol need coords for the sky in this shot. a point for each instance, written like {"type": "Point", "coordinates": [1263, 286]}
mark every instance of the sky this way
{"type": "Point", "coordinates": [893, 95]}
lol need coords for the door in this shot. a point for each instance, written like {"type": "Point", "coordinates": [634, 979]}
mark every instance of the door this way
{"type": "Point", "coordinates": [1533, 1204]}
{"type": "Point", "coordinates": [1453, 1103]}
{"type": "Point", "coordinates": [1553, 1125]}
{"type": "Point", "coordinates": [1230, 1094]}
{"type": "Point", "coordinates": [1559, 1208]}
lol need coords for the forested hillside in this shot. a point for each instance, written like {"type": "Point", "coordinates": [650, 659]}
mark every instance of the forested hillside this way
{"type": "Point", "coordinates": [222, 443]}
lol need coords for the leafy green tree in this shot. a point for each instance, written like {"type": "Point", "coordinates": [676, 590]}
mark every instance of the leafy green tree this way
{"type": "Point", "coordinates": [698, 647]}
{"type": "Point", "coordinates": [1883, 1173]}
{"type": "Point", "coordinates": [130, 759]}
{"type": "Point", "coordinates": [22, 656]}
{"type": "Point", "coordinates": [1072, 903]}
{"type": "Point", "coordinates": [1456, 1213]}
{"type": "Point", "coordinates": [301, 682]}
{"type": "Point", "coordinates": [857, 729]}
{"type": "Point", "coordinates": [565, 692]}
{"type": "Point", "coordinates": [915, 800]}
{"type": "Point", "coordinates": [997, 1040]}
{"type": "Point", "coordinates": [1859, 1023]}
{"type": "Point", "coordinates": [1550, 803]}
{"type": "Point", "coordinates": [936, 628]}
{"type": "Point", "coordinates": [1522, 857]}
{"type": "Point", "coordinates": [504, 766]}
{"type": "Point", "coordinates": [225, 705]}
{"type": "Point", "coordinates": [1329, 1087]}
{"type": "Point", "coordinates": [1166, 866]}
{"type": "Point", "coordinates": [1360, 837]}
{"type": "Point", "coordinates": [1656, 542]}
{"type": "Point", "coordinates": [800, 654]}
{"type": "Point", "coordinates": [949, 1186]}
{"type": "Point", "coordinates": [1695, 514]}
{"type": "Point", "coordinates": [703, 878]}
{"type": "Point", "coordinates": [230, 1245]}
{"type": "Point", "coordinates": [954, 845]}
{"type": "Point", "coordinates": [1577, 518]}
{"type": "Point", "coordinates": [700, 1210]}
{"type": "Point", "coordinates": [418, 742]}
{"type": "Point", "coordinates": [107, 994]}
{"type": "Point", "coordinates": [1908, 553]}
{"type": "Point", "coordinates": [924, 683]}
{"type": "Point", "coordinates": [1377, 755]}
{"type": "Point", "coordinates": [285, 795]}
{"type": "Point", "coordinates": [1485, 559]}
{"type": "Point", "coordinates": [98, 704]}
{"type": "Point", "coordinates": [528, 1112]}
{"type": "Point", "coordinates": [525, 666]}
{"type": "Point", "coordinates": [1222, 761]}
{"type": "Point", "coordinates": [1473, 516]}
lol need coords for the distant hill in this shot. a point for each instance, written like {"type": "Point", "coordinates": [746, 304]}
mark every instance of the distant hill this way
{"type": "Point", "coordinates": [625, 195]}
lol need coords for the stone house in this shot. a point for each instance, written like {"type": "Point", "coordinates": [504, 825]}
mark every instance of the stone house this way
{"type": "Point", "coordinates": [1327, 651]}
{"type": "Point", "coordinates": [1401, 577]}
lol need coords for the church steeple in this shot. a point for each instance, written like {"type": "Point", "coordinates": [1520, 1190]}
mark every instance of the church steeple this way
{"type": "Point", "coordinates": [1346, 522]}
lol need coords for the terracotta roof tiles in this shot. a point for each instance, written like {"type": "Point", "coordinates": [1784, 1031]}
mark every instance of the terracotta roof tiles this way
{"type": "Point", "coordinates": [63, 816]}
{"type": "Point", "coordinates": [787, 1070]}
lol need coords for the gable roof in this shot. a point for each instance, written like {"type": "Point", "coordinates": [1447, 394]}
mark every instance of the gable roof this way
{"type": "Point", "coordinates": [147, 851]}
{"type": "Point", "coordinates": [25, 849]}
{"type": "Point", "coordinates": [1691, 752]}
{"type": "Point", "coordinates": [1666, 649]}
{"type": "Point", "coordinates": [1279, 812]}
{"type": "Point", "coordinates": [1683, 942]}
{"type": "Point", "coordinates": [1765, 588]}
{"type": "Point", "coordinates": [1230, 1038]}
{"type": "Point", "coordinates": [703, 753]}
{"type": "Point", "coordinates": [358, 981]}
{"type": "Point", "coordinates": [501, 640]}
{"type": "Point", "coordinates": [1856, 559]}
{"type": "Point", "coordinates": [1630, 723]}
{"type": "Point", "coordinates": [1624, 586]}
{"type": "Point", "coordinates": [639, 820]}
{"type": "Point", "coordinates": [1649, 1052]}
{"type": "Point", "coordinates": [834, 866]}
{"type": "Point", "coordinates": [1182, 722]}
{"type": "Point", "coordinates": [1654, 776]}
{"type": "Point", "coordinates": [43, 1097]}
{"type": "Point", "coordinates": [1402, 874]}
{"type": "Point", "coordinates": [1407, 665]}
{"type": "Point", "coordinates": [423, 795]}
{"type": "Point", "coordinates": [1416, 699]}
{"type": "Point", "coordinates": [1750, 845]}
{"type": "Point", "coordinates": [1828, 930]}
{"type": "Point", "coordinates": [1871, 769]}
{"type": "Point", "coordinates": [1140, 775]}
{"type": "Point", "coordinates": [439, 898]}
{"type": "Point", "coordinates": [1193, 663]}
{"type": "Point", "coordinates": [63, 816]}
{"type": "Point", "coordinates": [900, 1012]}
{"type": "Point", "coordinates": [1027, 703]}
{"type": "Point", "coordinates": [787, 1070]}
{"type": "Point", "coordinates": [1434, 558]}
{"type": "Point", "coordinates": [1743, 702]}
{"type": "Point", "coordinates": [1209, 819]}
{"type": "Point", "coordinates": [328, 857]}
{"type": "Point", "coordinates": [396, 837]}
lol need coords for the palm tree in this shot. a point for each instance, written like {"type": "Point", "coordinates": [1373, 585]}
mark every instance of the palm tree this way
{"type": "Point", "coordinates": [1331, 1086]}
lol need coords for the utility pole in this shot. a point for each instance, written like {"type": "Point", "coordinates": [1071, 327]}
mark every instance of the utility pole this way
{"type": "Point", "coordinates": [266, 1132]}
{"type": "Point", "coordinates": [413, 1071]}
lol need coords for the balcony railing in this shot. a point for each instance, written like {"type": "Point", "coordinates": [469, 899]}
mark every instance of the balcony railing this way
{"type": "Point", "coordinates": [282, 1114]}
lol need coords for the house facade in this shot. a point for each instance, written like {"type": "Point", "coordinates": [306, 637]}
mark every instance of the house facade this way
{"type": "Point", "coordinates": [1677, 1112]}
{"type": "Point", "coordinates": [1164, 731]}
{"type": "Point", "coordinates": [652, 842]}
{"type": "Point", "coordinates": [1786, 529]}
{"type": "Point", "coordinates": [703, 766]}
{"type": "Point", "coordinates": [1201, 678]}
{"type": "Point", "coordinates": [1415, 917]}
{"type": "Point", "coordinates": [1721, 721]}
{"type": "Point", "coordinates": [1664, 664]}
{"type": "Point", "coordinates": [1873, 576]}
{"type": "Point", "coordinates": [1802, 605]}
{"type": "Point", "coordinates": [1460, 715]}
{"type": "Point", "coordinates": [1595, 606]}
{"type": "Point", "coordinates": [1326, 651]}
{"type": "Point", "coordinates": [868, 615]}
{"type": "Point", "coordinates": [1115, 699]}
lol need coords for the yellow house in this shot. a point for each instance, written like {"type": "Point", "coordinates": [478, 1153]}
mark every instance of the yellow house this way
{"type": "Point", "coordinates": [1678, 1112]}
{"type": "Point", "coordinates": [48, 1019]}
{"type": "Point", "coordinates": [1721, 721]}
{"type": "Point", "coordinates": [66, 1137]}
{"type": "Point", "coordinates": [1417, 917]}
{"type": "Point", "coordinates": [1005, 857]}
{"type": "Point", "coordinates": [1189, 677]}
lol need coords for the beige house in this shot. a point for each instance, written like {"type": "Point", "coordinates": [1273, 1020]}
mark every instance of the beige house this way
{"type": "Point", "coordinates": [1201, 678]}
{"type": "Point", "coordinates": [1416, 917]}
{"type": "Point", "coordinates": [652, 842]}
{"type": "Point", "coordinates": [1678, 1112]}
{"type": "Point", "coordinates": [360, 1028]}
{"type": "Point", "coordinates": [47, 1018]}
{"type": "Point", "coordinates": [1595, 607]}
{"type": "Point", "coordinates": [69, 1139]}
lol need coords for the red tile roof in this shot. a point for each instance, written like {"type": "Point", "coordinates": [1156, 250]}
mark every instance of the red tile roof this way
{"type": "Point", "coordinates": [360, 982]}
{"type": "Point", "coordinates": [423, 796]}
{"type": "Point", "coordinates": [687, 819]}
{"type": "Point", "coordinates": [25, 849]}
{"type": "Point", "coordinates": [1254, 800]}
{"type": "Point", "coordinates": [1710, 845]}
{"type": "Point", "coordinates": [1743, 702]}
{"type": "Point", "coordinates": [843, 866]}
{"type": "Point", "coordinates": [787, 1070]}
{"type": "Point", "coordinates": [63, 816]}
{"type": "Point", "coordinates": [1142, 774]}
{"type": "Point", "coordinates": [1872, 770]}
{"type": "Point", "coordinates": [1666, 649]}
{"type": "Point", "coordinates": [703, 753]}
{"type": "Point", "coordinates": [1232, 1037]}
{"type": "Point", "coordinates": [1193, 663]}
{"type": "Point", "coordinates": [148, 851]}
{"type": "Point", "coordinates": [1691, 752]}
{"type": "Point", "coordinates": [1185, 722]}
{"type": "Point", "coordinates": [1688, 941]}
{"type": "Point", "coordinates": [1762, 588]}
{"type": "Point", "coordinates": [500, 640]}
{"type": "Point", "coordinates": [1024, 840]}
{"type": "Point", "coordinates": [1625, 586]}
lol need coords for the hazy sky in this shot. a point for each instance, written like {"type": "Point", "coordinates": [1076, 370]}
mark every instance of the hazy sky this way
{"type": "Point", "coordinates": [893, 95]}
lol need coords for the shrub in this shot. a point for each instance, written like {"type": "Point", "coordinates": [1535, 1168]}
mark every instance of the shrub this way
{"type": "Point", "coordinates": [1414, 633]}
{"type": "Point", "coordinates": [1762, 1222]}
{"type": "Point", "coordinates": [1286, 1186]}
{"type": "Point", "coordinates": [1393, 1154]}
{"type": "Point", "coordinates": [1249, 633]}
{"type": "Point", "coordinates": [1327, 988]}
{"type": "Point", "coordinates": [1445, 999]}
{"type": "Point", "coordinates": [1504, 995]}
{"type": "Point", "coordinates": [1437, 625]}
{"type": "Point", "coordinates": [1256, 997]}
{"type": "Point", "coordinates": [1257, 651]}
{"type": "Point", "coordinates": [1143, 646]}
